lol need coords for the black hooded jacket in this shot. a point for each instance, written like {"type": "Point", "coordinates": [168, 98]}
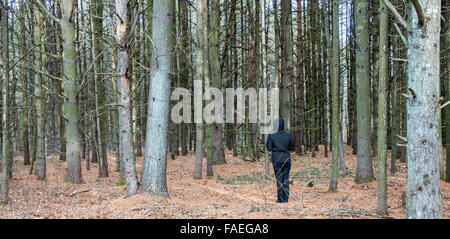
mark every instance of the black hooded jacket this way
{"type": "Point", "coordinates": [280, 143]}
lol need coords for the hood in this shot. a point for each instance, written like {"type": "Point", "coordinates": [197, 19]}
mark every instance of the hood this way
{"type": "Point", "coordinates": [277, 124]}
{"type": "Point", "coordinates": [280, 124]}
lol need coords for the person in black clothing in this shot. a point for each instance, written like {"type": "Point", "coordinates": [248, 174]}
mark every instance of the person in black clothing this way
{"type": "Point", "coordinates": [281, 144]}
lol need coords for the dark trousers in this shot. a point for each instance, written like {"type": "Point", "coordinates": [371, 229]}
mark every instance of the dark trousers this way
{"type": "Point", "coordinates": [282, 168]}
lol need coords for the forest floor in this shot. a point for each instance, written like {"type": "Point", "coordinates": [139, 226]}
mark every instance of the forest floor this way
{"type": "Point", "coordinates": [237, 190]}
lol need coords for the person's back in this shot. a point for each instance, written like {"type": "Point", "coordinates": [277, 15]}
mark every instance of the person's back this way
{"type": "Point", "coordinates": [281, 140]}
{"type": "Point", "coordinates": [281, 144]}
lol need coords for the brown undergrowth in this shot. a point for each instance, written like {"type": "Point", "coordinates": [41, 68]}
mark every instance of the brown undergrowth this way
{"type": "Point", "coordinates": [237, 190]}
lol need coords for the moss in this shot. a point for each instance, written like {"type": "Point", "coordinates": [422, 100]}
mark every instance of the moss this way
{"type": "Point", "coordinates": [332, 191]}
{"type": "Point", "coordinates": [361, 180]}
{"type": "Point", "coordinates": [426, 180]}
{"type": "Point", "coordinates": [382, 213]}
{"type": "Point", "coordinates": [120, 184]}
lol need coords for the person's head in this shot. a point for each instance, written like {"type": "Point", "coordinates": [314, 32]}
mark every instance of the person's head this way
{"type": "Point", "coordinates": [278, 124]}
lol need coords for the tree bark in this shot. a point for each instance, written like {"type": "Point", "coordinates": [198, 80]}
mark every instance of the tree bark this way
{"type": "Point", "coordinates": [364, 170]}
{"type": "Point", "coordinates": [423, 188]}
{"type": "Point", "coordinates": [25, 135]}
{"type": "Point", "coordinates": [201, 23]}
{"type": "Point", "coordinates": [335, 100]}
{"type": "Point", "coordinates": [96, 12]}
{"type": "Point", "coordinates": [298, 135]}
{"type": "Point", "coordinates": [5, 102]}
{"type": "Point", "coordinates": [382, 111]}
{"type": "Point", "coordinates": [155, 156]}
{"type": "Point", "coordinates": [286, 61]}
{"type": "Point", "coordinates": [126, 138]}
{"type": "Point", "coordinates": [447, 108]}
{"type": "Point", "coordinates": [40, 164]}
{"type": "Point", "coordinates": [218, 151]}
{"type": "Point", "coordinates": [70, 87]}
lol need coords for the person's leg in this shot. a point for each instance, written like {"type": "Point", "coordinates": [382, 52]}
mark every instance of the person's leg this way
{"type": "Point", "coordinates": [279, 179]}
{"type": "Point", "coordinates": [284, 187]}
{"type": "Point", "coordinates": [286, 170]}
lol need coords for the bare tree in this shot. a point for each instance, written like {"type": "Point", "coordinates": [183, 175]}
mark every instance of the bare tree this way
{"type": "Point", "coordinates": [155, 158]}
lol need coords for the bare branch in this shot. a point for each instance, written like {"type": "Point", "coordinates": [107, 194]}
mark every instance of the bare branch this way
{"type": "Point", "coordinates": [419, 12]}
{"type": "Point", "coordinates": [121, 20]}
{"type": "Point", "coordinates": [43, 9]}
{"type": "Point", "coordinates": [438, 104]}
{"type": "Point", "coordinates": [21, 58]}
{"type": "Point", "coordinates": [397, 15]}
{"type": "Point", "coordinates": [402, 138]}
{"type": "Point", "coordinates": [401, 34]}
{"type": "Point", "coordinates": [445, 104]}
{"type": "Point", "coordinates": [399, 59]}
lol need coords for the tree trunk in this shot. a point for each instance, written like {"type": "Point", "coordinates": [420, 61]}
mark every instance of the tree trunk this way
{"type": "Point", "coordinates": [447, 108]}
{"type": "Point", "coordinates": [335, 101]}
{"type": "Point", "coordinates": [184, 59]}
{"type": "Point", "coordinates": [40, 164]}
{"type": "Point", "coordinates": [70, 87]}
{"type": "Point", "coordinates": [364, 170]}
{"type": "Point", "coordinates": [126, 137]}
{"type": "Point", "coordinates": [5, 101]}
{"type": "Point", "coordinates": [298, 135]}
{"type": "Point", "coordinates": [155, 158]}
{"type": "Point", "coordinates": [264, 78]}
{"type": "Point", "coordinates": [25, 135]}
{"type": "Point", "coordinates": [286, 62]}
{"type": "Point", "coordinates": [201, 24]}
{"type": "Point", "coordinates": [395, 99]}
{"type": "Point", "coordinates": [423, 188]}
{"type": "Point", "coordinates": [96, 12]}
{"type": "Point", "coordinates": [218, 153]}
{"type": "Point", "coordinates": [382, 111]}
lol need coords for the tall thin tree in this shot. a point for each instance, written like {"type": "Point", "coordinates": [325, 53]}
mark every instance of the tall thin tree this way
{"type": "Point", "coordinates": [218, 151]}
{"type": "Point", "coordinates": [25, 110]}
{"type": "Point", "coordinates": [201, 23]}
{"type": "Point", "coordinates": [96, 9]}
{"type": "Point", "coordinates": [123, 84]}
{"type": "Point", "coordinates": [286, 61]}
{"type": "Point", "coordinates": [40, 164]}
{"type": "Point", "coordinates": [70, 88]}
{"type": "Point", "coordinates": [5, 101]}
{"type": "Point", "coordinates": [423, 187]}
{"type": "Point", "coordinates": [155, 157]}
{"type": "Point", "coordinates": [382, 110]}
{"type": "Point", "coordinates": [364, 170]}
{"type": "Point", "coordinates": [335, 75]}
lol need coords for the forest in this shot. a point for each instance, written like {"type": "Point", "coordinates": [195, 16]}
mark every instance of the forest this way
{"type": "Point", "coordinates": [158, 108]}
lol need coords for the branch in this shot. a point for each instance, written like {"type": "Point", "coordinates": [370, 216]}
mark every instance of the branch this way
{"type": "Point", "coordinates": [406, 96]}
{"type": "Point", "coordinates": [401, 34]}
{"type": "Point", "coordinates": [121, 20]}
{"type": "Point", "coordinates": [44, 10]}
{"type": "Point", "coordinates": [419, 12]}
{"type": "Point", "coordinates": [412, 93]}
{"type": "Point", "coordinates": [399, 59]}
{"type": "Point", "coordinates": [397, 15]}
{"type": "Point", "coordinates": [21, 58]}
{"type": "Point", "coordinates": [445, 104]}
{"type": "Point", "coordinates": [438, 104]}
{"type": "Point", "coordinates": [191, 5]}
{"type": "Point", "coordinates": [403, 138]}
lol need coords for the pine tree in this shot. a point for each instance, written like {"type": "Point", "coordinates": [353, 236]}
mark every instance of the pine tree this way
{"type": "Point", "coordinates": [154, 168]}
